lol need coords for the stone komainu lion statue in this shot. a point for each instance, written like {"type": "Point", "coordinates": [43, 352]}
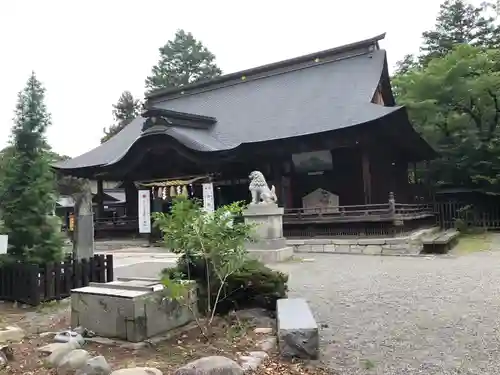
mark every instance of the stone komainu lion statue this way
{"type": "Point", "coordinates": [260, 190]}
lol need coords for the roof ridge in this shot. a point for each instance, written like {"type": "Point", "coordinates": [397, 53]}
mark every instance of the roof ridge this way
{"type": "Point", "coordinates": [237, 77]}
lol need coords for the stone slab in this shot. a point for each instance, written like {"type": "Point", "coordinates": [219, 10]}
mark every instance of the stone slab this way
{"type": "Point", "coordinates": [271, 256]}
{"type": "Point", "coordinates": [298, 334]}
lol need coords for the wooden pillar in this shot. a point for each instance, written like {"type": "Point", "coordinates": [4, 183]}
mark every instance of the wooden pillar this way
{"type": "Point", "coordinates": [100, 199]}
{"type": "Point", "coordinates": [367, 184]}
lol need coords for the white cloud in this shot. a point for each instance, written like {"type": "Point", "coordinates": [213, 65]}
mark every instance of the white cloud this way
{"type": "Point", "coordinates": [87, 52]}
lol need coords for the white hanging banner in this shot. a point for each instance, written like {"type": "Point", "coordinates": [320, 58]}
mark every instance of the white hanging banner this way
{"type": "Point", "coordinates": [208, 197]}
{"type": "Point", "coordinates": [144, 211]}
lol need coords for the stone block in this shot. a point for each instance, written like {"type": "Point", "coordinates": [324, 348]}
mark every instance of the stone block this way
{"type": "Point", "coordinates": [302, 248]}
{"type": "Point", "coordinates": [342, 249]}
{"type": "Point", "coordinates": [130, 310]}
{"type": "Point", "coordinates": [373, 250]}
{"type": "Point", "coordinates": [298, 334]}
{"type": "Point", "coordinates": [329, 248]}
{"type": "Point", "coordinates": [356, 249]}
{"type": "Point", "coordinates": [318, 241]}
{"type": "Point", "coordinates": [371, 241]}
{"type": "Point", "coordinates": [294, 242]}
{"type": "Point", "coordinates": [317, 248]}
{"type": "Point", "coordinates": [345, 241]}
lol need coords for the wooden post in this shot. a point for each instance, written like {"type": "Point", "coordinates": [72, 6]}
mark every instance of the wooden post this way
{"type": "Point", "coordinates": [100, 199]}
{"type": "Point", "coordinates": [367, 185]}
{"type": "Point", "coordinates": [109, 268]}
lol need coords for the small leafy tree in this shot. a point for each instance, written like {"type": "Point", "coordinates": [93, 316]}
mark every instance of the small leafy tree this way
{"type": "Point", "coordinates": [28, 193]}
{"type": "Point", "coordinates": [214, 237]}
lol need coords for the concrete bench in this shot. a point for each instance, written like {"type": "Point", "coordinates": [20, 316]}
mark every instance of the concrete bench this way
{"type": "Point", "coordinates": [297, 329]}
{"type": "Point", "coordinates": [440, 243]}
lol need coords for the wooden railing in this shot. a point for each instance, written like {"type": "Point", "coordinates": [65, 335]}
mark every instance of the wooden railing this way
{"type": "Point", "coordinates": [384, 212]}
{"type": "Point", "coordinates": [116, 223]}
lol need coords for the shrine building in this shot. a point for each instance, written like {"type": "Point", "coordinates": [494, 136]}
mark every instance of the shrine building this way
{"type": "Point", "coordinates": [323, 128]}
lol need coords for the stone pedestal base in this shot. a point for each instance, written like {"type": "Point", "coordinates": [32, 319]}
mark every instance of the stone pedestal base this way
{"type": "Point", "coordinates": [270, 247]}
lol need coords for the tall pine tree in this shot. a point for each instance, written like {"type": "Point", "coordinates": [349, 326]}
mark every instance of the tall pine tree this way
{"type": "Point", "coordinates": [124, 111]}
{"type": "Point", "coordinates": [183, 60]}
{"type": "Point", "coordinates": [460, 22]}
{"type": "Point", "coordinates": [28, 193]}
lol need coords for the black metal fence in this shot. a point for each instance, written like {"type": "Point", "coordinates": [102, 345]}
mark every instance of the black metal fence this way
{"type": "Point", "coordinates": [472, 215]}
{"type": "Point", "coordinates": [34, 284]}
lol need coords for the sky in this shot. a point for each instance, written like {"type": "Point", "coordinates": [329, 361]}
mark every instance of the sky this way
{"type": "Point", "coordinates": [86, 53]}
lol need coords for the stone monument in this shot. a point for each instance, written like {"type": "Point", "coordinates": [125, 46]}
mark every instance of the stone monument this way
{"type": "Point", "coordinates": [263, 212]}
{"type": "Point", "coordinates": [322, 200]}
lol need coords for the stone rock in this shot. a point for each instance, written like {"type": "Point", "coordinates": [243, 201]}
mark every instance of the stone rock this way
{"type": "Point", "coordinates": [267, 344]}
{"type": "Point", "coordinates": [3, 360]}
{"type": "Point", "coordinates": [84, 332]}
{"type": "Point", "coordinates": [50, 348]}
{"type": "Point", "coordinates": [214, 365]}
{"type": "Point", "coordinates": [11, 334]}
{"type": "Point", "coordinates": [95, 366]}
{"type": "Point", "coordinates": [137, 371]}
{"type": "Point", "coordinates": [262, 330]}
{"type": "Point", "coordinates": [250, 363]}
{"type": "Point", "coordinates": [300, 343]}
{"type": "Point", "coordinates": [66, 336]}
{"type": "Point", "coordinates": [58, 353]}
{"type": "Point", "coordinates": [47, 334]}
{"type": "Point", "coordinates": [253, 360]}
{"type": "Point", "coordinates": [256, 317]}
{"type": "Point", "coordinates": [73, 361]}
{"type": "Point", "coordinates": [259, 354]}
{"type": "Point", "coordinates": [298, 334]}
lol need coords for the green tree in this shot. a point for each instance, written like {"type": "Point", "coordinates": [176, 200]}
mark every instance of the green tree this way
{"type": "Point", "coordinates": [183, 60]}
{"type": "Point", "coordinates": [28, 193]}
{"type": "Point", "coordinates": [124, 111]}
{"type": "Point", "coordinates": [454, 101]}
{"type": "Point", "coordinates": [459, 22]}
{"type": "Point", "coordinates": [214, 238]}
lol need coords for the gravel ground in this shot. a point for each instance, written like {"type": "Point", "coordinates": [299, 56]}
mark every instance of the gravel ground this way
{"type": "Point", "coordinates": [397, 315]}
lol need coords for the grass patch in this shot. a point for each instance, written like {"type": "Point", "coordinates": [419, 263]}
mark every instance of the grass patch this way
{"type": "Point", "coordinates": [472, 243]}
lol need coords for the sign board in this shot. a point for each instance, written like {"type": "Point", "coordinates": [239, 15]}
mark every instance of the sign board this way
{"type": "Point", "coordinates": [4, 243]}
{"type": "Point", "coordinates": [71, 223]}
{"type": "Point", "coordinates": [208, 197]}
{"type": "Point", "coordinates": [144, 211]}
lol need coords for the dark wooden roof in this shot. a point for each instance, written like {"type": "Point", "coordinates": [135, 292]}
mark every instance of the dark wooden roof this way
{"type": "Point", "coordinates": [316, 93]}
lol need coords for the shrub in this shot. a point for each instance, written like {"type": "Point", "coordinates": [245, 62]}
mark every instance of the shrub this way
{"type": "Point", "coordinates": [252, 285]}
